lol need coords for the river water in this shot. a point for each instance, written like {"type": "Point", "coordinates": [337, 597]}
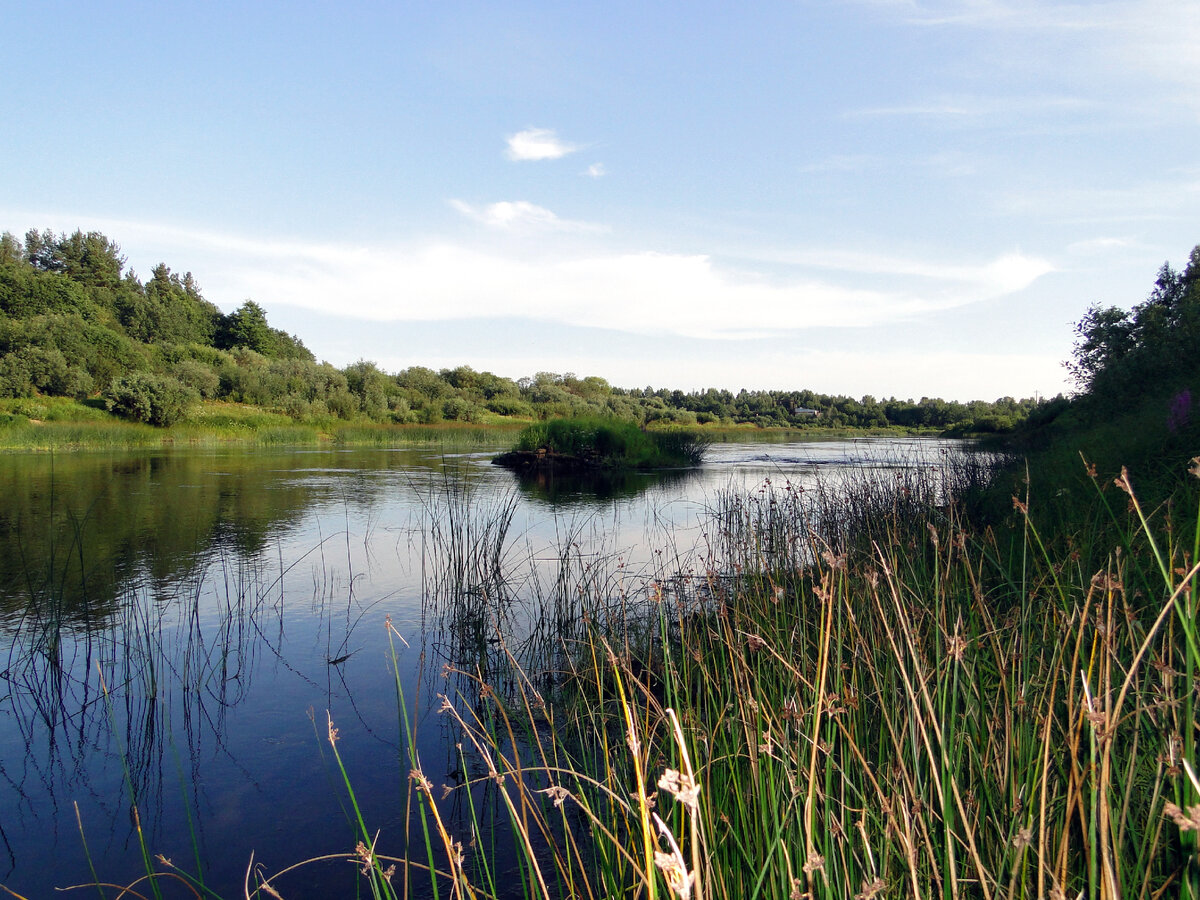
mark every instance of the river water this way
{"type": "Point", "coordinates": [176, 627]}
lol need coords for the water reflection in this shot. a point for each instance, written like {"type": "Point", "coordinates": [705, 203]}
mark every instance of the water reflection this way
{"type": "Point", "coordinates": [175, 625]}
{"type": "Point", "coordinates": [588, 487]}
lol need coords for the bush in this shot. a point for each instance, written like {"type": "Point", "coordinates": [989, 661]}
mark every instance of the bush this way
{"type": "Point", "coordinates": [156, 399]}
{"type": "Point", "coordinates": [201, 378]}
{"type": "Point", "coordinates": [510, 406]}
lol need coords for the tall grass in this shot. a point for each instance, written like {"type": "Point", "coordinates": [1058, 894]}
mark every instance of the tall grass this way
{"type": "Point", "coordinates": [909, 715]}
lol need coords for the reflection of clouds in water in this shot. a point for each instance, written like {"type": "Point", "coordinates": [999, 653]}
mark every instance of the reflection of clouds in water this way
{"type": "Point", "coordinates": [248, 572]}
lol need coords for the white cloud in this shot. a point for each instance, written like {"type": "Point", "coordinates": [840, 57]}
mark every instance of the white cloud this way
{"type": "Point", "coordinates": [931, 285]}
{"type": "Point", "coordinates": [596, 170]}
{"type": "Point", "coordinates": [640, 292]}
{"type": "Point", "coordinates": [521, 216]}
{"type": "Point", "coordinates": [537, 144]}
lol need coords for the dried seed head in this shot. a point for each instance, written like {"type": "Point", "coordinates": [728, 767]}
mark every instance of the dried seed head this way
{"type": "Point", "coordinates": [365, 857]}
{"type": "Point", "coordinates": [1187, 819]}
{"type": "Point", "coordinates": [678, 878]}
{"type": "Point", "coordinates": [1023, 838]}
{"type": "Point", "coordinates": [556, 793]}
{"type": "Point", "coordinates": [681, 787]}
{"type": "Point", "coordinates": [957, 647]}
{"type": "Point", "coordinates": [1123, 482]}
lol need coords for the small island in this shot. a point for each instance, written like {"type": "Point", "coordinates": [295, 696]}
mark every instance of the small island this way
{"type": "Point", "coordinates": [586, 445]}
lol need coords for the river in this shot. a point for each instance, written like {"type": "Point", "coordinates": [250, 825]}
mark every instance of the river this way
{"type": "Point", "coordinates": [175, 628]}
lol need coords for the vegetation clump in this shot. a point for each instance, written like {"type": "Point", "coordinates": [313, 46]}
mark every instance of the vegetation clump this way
{"type": "Point", "coordinates": [153, 399]}
{"type": "Point", "coordinates": [583, 444]}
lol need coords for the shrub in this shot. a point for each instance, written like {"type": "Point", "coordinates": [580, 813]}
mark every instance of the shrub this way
{"type": "Point", "coordinates": [201, 378]}
{"type": "Point", "coordinates": [157, 399]}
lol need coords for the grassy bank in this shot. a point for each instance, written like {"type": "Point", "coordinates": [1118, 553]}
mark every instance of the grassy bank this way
{"type": "Point", "coordinates": [60, 424]}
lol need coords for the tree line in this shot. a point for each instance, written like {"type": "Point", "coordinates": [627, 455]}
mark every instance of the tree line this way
{"type": "Point", "coordinates": [75, 321]}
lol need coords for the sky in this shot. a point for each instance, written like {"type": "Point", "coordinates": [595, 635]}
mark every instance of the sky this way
{"type": "Point", "coordinates": [900, 198]}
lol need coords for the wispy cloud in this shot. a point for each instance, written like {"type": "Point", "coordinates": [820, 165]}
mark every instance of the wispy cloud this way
{"type": "Point", "coordinates": [844, 162]}
{"type": "Point", "coordinates": [939, 285]}
{"type": "Point", "coordinates": [1158, 200]}
{"type": "Point", "coordinates": [537, 144]}
{"type": "Point", "coordinates": [596, 170]}
{"type": "Point", "coordinates": [964, 108]}
{"type": "Point", "coordinates": [640, 292]}
{"type": "Point", "coordinates": [521, 215]}
{"type": "Point", "coordinates": [1089, 41]}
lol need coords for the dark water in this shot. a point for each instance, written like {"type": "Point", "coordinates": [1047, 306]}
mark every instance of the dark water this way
{"type": "Point", "coordinates": [176, 627]}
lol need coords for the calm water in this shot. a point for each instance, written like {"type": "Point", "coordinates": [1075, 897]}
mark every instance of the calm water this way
{"type": "Point", "coordinates": [175, 627]}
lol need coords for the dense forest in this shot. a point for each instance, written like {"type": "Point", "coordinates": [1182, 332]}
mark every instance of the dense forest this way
{"type": "Point", "coordinates": [76, 322]}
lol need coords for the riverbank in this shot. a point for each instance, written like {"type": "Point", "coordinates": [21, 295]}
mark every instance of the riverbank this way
{"type": "Point", "coordinates": [61, 424]}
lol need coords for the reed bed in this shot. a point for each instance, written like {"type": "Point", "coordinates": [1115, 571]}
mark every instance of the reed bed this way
{"type": "Point", "coordinates": [896, 710]}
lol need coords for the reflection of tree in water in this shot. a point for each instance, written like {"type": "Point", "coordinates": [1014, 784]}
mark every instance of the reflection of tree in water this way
{"type": "Point", "coordinates": [75, 532]}
{"type": "Point", "coordinates": [590, 486]}
{"type": "Point", "coordinates": [130, 626]}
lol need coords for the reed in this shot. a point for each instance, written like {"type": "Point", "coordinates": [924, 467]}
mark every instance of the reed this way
{"type": "Point", "coordinates": [909, 715]}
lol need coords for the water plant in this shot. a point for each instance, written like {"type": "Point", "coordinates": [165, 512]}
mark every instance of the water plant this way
{"type": "Point", "coordinates": [604, 443]}
{"type": "Point", "coordinates": [912, 717]}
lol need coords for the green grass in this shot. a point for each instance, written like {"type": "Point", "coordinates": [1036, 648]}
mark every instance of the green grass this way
{"type": "Point", "coordinates": [613, 443]}
{"type": "Point", "coordinates": [61, 424]}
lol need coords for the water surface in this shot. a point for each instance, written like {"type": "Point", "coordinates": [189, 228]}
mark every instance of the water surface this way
{"type": "Point", "coordinates": [175, 627]}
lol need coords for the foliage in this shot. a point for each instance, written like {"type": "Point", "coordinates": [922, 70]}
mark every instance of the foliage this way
{"type": "Point", "coordinates": [73, 318]}
{"type": "Point", "coordinates": [154, 399]}
{"type": "Point", "coordinates": [609, 442]}
{"type": "Point", "coordinates": [1119, 353]}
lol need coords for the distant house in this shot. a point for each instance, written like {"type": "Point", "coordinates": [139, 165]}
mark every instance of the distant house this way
{"type": "Point", "coordinates": [804, 411]}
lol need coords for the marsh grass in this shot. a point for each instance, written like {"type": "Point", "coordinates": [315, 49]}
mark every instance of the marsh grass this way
{"type": "Point", "coordinates": [614, 443]}
{"type": "Point", "coordinates": [895, 711]}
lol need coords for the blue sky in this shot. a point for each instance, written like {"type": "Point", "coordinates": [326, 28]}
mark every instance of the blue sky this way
{"type": "Point", "coordinates": [889, 197]}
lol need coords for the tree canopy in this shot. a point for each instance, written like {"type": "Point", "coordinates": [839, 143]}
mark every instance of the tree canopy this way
{"type": "Point", "coordinates": [75, 321]}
